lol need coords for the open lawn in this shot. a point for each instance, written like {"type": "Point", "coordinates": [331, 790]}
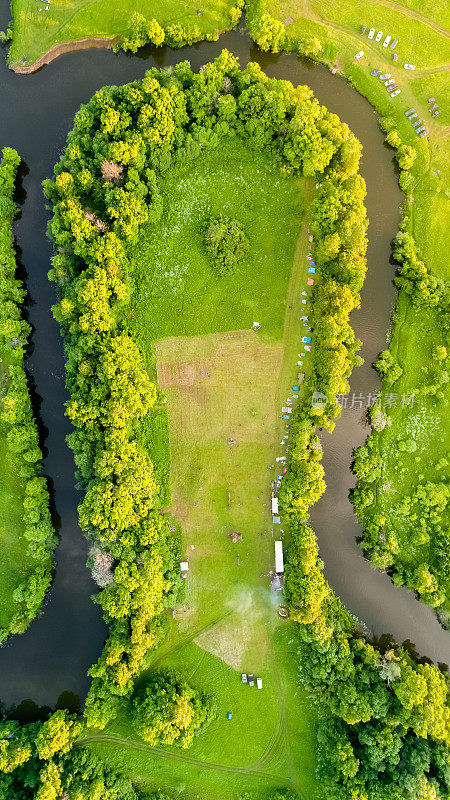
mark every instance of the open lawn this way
{"type": "Point", "coordinates": [38, 25]}
{"type": "Point", "coordinates": [225, 385]}
{"type": "Point", "coordinates": [269, 742]}
{"type": "Point", "coordinates": [175, 286]}
{"type": "Point", "coordinates": [15, 563]}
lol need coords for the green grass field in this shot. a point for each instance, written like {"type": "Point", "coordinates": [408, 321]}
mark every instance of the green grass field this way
{"type": "Point", "coordinates": [425, 424]}
{"type": "Point", "coordinates": [268, 743]}
{"type": "Point", "coordinates": [39, 26]}
{"type": "Point", "coordinates": [14, 565]}
{"type": "Point", "coordinates": [225, 382]}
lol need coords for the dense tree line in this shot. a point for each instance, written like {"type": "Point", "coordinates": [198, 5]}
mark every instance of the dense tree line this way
{"type": "Point", "coordinates": [144, 31]}
{"type": "Point", "coordinates": [17, 424]}
{"type": "Point", "coordinates": [38, 761]}
{"type": "Point", "coordinates": [388, 725]}
{"type": "Point", "coordinates": [271, 34]}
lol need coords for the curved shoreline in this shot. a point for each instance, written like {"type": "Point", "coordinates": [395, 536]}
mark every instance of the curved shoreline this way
{"type": "Point", "coordinates": [66, 47]}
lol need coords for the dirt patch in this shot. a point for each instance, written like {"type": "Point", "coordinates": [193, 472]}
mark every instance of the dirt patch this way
{"type": "Point", "coordinates": [65, 47]}
{"type": "Point", "coordinates": [226, 641]}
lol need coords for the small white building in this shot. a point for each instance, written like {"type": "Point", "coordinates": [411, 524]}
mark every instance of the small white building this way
{"type": "Point", "coordinates": [274, 505]}
{"type": "Point", "coordinates": [184, 567]}
{"type": "Point", "coordinates": [279, 564]}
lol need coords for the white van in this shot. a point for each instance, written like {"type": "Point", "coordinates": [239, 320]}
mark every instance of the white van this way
{"type": "Point", "coordinates": [259, 683]}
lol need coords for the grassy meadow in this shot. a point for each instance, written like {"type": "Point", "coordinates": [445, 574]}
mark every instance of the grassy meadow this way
{"type": "Point", "coordinates": [15, 563]}
{"type": "Point", "coordinates": [225, 383]}
{"type": "Point", "coordinates": [38, 26]}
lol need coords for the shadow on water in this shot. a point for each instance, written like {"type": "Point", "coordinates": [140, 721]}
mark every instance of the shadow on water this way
{"type": "Point", "coordinates": [52, 658]}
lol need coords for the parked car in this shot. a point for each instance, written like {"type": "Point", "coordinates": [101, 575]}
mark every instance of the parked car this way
{"type": "Point", "coordinates": [359, 54]}
{"type": "Point", "coordinates": [371, 33]}
{"type": "Point", "coordinates": [394, 44]}
{"type": "Point", "coordinates": [244, 677]}
{"type": "Point", "coordinates": [376, 72]}
{"type": "Point", "coordinates": [409, 66]}
{"type": "Point", "coordinates": [378, 36]}
{"type": "Point", "coordinates": [436, 113]}
{"type": "Point", "coordinates": [363, 29]}
{"type": "Point", "coordinates": [251, 680]}
{"type": "Point", "coordinates": [413, 116]}
{"type": "Point", "coordinates": [389, 82]}
{"type": "Point", "coordinates": [386, 41]}
{"type": "Point", "coordinates": [416, 123]}
{"type": "Point", "coordinates": [431, 100]}
{"type": "Point", "coordinates": [391, 88]}
{"type": "Point", "coordinates": [395, 56]}
{"type": "Point", "coordinates": [397, 91]}
{"type": "Point", "coordinates": [419, 130]}
{"type": "Point", "coordinates": [434, 107]}
{"type": "Point", "coordinates": [384, 76]}
{"type": "Point", "coordinates": [424, 133]}
{"type": "Point", "coordinates": [410, 111]}
{"type": "Point", "coordinates": [259, 683]}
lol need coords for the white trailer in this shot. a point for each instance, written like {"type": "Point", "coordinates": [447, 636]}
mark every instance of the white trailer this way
{"type": "Point", "coordinates": [275, 505]}
{"type": "Point", "coordinates": [279, 564]}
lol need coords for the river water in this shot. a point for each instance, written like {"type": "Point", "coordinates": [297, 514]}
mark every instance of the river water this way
{"type": "Point", "coordinates": [36, 113]}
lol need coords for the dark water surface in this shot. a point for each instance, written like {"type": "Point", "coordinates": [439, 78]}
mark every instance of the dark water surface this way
{"type": "Point", "coordinates": [36, 113]}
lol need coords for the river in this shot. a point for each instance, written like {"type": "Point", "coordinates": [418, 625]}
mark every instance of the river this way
{"type": "Point", "coordinates": [37, 111]}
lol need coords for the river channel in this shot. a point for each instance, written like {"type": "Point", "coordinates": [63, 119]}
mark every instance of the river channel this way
{"type": "Point", "coordinates": [37, 112]}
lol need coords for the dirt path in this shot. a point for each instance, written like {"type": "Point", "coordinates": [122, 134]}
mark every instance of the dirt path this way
{"type": "Point", "coordinates": [409, 12]}
{"type": "Point", "coordinates": [252, 769]}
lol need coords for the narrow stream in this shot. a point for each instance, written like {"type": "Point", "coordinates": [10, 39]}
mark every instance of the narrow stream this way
{"type": "Point", "coordinates": [36, 114]}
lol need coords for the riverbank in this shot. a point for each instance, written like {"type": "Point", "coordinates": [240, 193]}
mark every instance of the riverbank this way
{"type": "Point", "coordinates": [66, 47]}
{"type": "Point", "coordinates": [41, 33]}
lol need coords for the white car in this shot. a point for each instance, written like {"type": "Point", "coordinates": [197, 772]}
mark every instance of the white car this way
{"type": "Point", "coordinates": [385, 76]}
{"type": "Point", "coordinates": [397, 91]}
{"type": "Point", "coordinates": [378, 36]}
{"type": "Point", "coordinates": [409, 66]}
{"type": "Point", "coordinates": [371, 33]}
{"type": "Point", "coordinates": [386, 41]}
{"type": "Point", "coordinates": [359, 55]}
{"type": "Point", "coordinates": [389, 82]}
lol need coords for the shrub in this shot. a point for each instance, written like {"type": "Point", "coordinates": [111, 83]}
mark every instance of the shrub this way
{"type": "Point", "coordinates": [226, 242]}
{"type": "Point", "coordinates": [168, 711]}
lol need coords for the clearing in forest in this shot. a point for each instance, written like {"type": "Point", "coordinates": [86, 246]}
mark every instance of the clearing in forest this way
{"type": "Point", "coordinates": [225, 385]}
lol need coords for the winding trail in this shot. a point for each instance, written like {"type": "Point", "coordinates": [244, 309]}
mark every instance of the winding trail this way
{"type": "Point", "coordinates": [252, 769]}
